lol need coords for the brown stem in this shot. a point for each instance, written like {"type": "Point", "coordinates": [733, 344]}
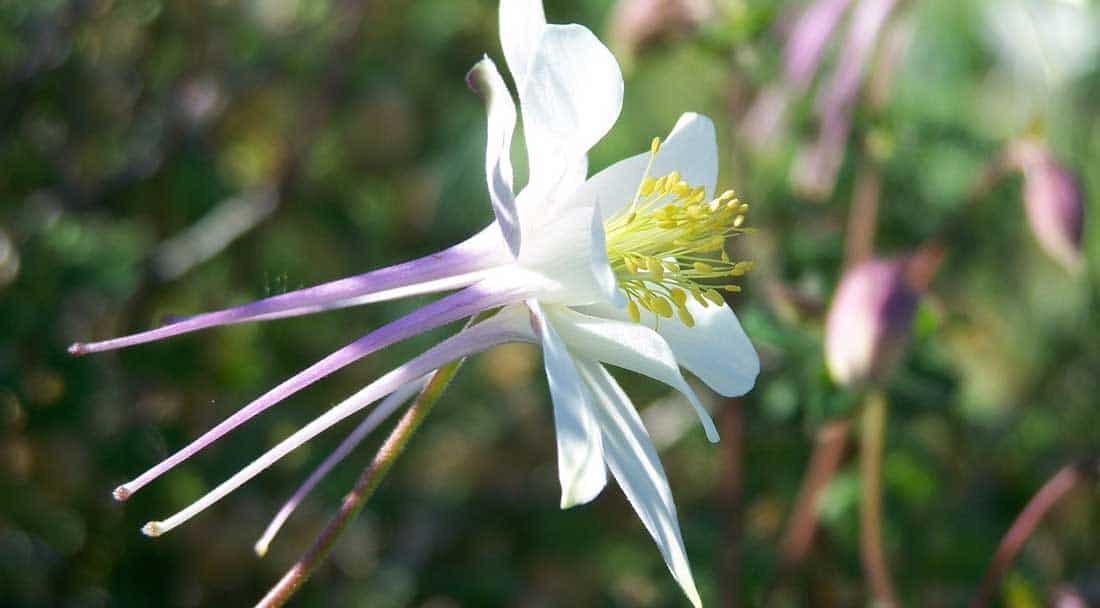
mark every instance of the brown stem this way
{"type": "Point", "coordinates": [859, 239]}
{"type": "Point", "coordinates": [872, 553]}
{"type": "Point", "coordinates": [368, 482]}
{"type": "Point", "coordinates": [1052, 491]}
{"type": "Point", "coordinates": [829, 444]}
{"type": "Point", "coordinates": [730, 491]}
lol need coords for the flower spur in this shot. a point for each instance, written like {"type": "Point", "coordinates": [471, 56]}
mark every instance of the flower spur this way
{"type": "Point", "coordinates": [620, 268]}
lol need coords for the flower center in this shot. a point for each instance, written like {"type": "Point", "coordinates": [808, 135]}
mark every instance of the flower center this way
{"type": "Point", "coordinates": [669, 245]}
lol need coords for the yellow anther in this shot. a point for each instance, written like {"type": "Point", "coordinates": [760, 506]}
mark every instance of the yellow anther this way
{"type": "Point", "coordinates": [662, 307]}
{"type": "Point", "coordinates": [733, 288]}
{"type": "Point", "coordinates": [656, 269]}
{"type": "Point", "coordinates": [679, 296]}
{"type": "Point", "coordinates": [670, 242]}
{"type": "Point", "coordinates": [698, 295]}
{"type": "Point", "coordinates": [685, 316]}
{"type": "Point", "coordinates": [655, 145]}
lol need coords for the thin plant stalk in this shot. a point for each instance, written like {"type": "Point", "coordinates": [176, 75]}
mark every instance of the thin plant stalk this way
{"type": "Point", "coordinates": [367, 483]}
{"type": "Point", "coordinates": [829, 444]}
{"type": "Point", "coordinates": [872, 553]}
{"type": "Point", "coordinates": [1052, 491]}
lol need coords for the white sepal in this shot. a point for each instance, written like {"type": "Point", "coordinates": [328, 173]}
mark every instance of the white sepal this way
{"type": "Point", "coordinates": [580, 448]}
{"type": "Point", "coordinates": [485, 80]}
{"type": "Point", "coordinates": [634, 463]}
{"type": "Point", "coordinates": [628, 345]}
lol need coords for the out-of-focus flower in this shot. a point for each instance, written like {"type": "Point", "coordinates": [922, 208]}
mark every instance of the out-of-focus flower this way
{"type": "Point", "coordinates": [1043, 43]}
{"type": "Point", "coordinates": [635, 24]}
{"type": "Point", "coordinates": [801, 56]}
{"type": "Point", "coordinates": [621, 268]}
{"type": "Point", "coordinates": [869, 319]}
{"type": "Point", "coordinates": [816, 167]}
{"type": "Point", "coordinates": [1053, 199]}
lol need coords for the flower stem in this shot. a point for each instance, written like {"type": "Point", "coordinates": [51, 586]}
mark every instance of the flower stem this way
{"type": "Point", "coordinates": [830, 442]}
{"type": "Point", "coordinates": [871, 550]}
{"type": "Point", "coordinates": [1052, 491]}
{"type": "Point", "coordinates": [367, 483]}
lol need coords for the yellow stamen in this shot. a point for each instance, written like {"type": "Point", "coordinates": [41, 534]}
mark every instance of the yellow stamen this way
{"type": "Point", "coordinates": [669, 242]}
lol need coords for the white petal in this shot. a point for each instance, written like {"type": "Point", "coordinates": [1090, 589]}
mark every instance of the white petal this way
{"type": "Point", "coordinates": [569, 253]}
{"type": "Point", "coordinates": [628, 345]}
{"type": "Point", "coordinates": [600, 266]}
{"type": "Point", "coordinates": [717, 350]}
{"type": "Point", "coordinates": [572, 97]}
{"type": "Point", "coordinates": [634, 463]}
{"type": "Point", "coordinates": [485, 80]}
{"type": "Point", "coordinates": [580, 450]}
{"type": "Point", "coordinates": [691, 148]}
{"type": "Point", "coordinates": [521, 25]}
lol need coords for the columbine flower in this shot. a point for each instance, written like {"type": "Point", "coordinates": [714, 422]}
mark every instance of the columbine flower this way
{"type": "Point", "coordinates": [622, 268]}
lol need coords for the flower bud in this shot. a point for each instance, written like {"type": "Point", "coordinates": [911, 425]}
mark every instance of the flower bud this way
{"type": "Point", "coordinates": [869, 319]}
{"type": "Point", "coordinates": [1054, 202]}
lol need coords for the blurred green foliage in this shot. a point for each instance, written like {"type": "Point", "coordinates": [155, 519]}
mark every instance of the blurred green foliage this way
{"type": "Point", "coordinates": [122, 123]}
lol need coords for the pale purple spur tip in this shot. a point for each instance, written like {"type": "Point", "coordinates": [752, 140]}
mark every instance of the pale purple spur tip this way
{"type": "Point", "coordinates": [77, 349]}
{"type": "Point", "coordinates": [121, 493]}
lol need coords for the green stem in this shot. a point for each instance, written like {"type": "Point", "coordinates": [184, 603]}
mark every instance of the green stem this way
{"type": "Point", "coordinates": [875, 566]}
{"type": "Point", "coordinates": [368, 482]}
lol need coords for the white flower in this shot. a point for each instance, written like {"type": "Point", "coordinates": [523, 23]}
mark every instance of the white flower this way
{"type": "Point", "coordinates": [611, 269]}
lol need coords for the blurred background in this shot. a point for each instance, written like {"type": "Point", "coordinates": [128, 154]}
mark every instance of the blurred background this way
{"type": "Point", "coordinates": [923, 300]}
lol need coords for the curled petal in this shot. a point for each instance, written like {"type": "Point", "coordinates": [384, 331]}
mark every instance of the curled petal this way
{"type": "Point", "coordinates": [485, 80]}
